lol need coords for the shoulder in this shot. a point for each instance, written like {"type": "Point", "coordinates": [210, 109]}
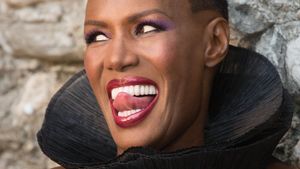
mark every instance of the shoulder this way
{"type": "Point", "coordinates": [280, 165]}
{"type": "Point", "coordinates": [273, 165]}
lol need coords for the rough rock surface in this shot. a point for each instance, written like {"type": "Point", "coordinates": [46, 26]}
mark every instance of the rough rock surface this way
{"type": "Point", "coordinates": [41, 45]}
{"type": "Point", "coordinates": [272, 28]}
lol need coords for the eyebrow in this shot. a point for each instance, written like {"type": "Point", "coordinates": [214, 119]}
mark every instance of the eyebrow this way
{"type": "Point", "coordinates": [95, 23]}
{"type": "Point", "coordinates": [145, 13]}
{"type": "Point", "coordinates": [130, 19]}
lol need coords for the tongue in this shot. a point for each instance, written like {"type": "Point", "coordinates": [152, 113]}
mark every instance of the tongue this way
{"type": "Point", "coordinates": [124, 102]}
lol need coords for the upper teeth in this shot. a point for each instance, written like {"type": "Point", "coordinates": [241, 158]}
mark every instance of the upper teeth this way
{"type": "Point", "coordinates": [137, 90]}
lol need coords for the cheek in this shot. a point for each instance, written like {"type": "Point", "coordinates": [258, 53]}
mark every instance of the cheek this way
{"type": "Point", "coordinates": [94, 68]}
{"type": "Point", "coordinates": [93, 65]}
{"type": "Point", "coordinates": [162, 53]}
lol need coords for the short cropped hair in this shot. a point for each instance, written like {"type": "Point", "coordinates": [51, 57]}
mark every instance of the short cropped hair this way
{"type": "Point", "coordinates": [218, 5]}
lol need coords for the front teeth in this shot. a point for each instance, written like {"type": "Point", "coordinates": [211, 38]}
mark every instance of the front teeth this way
{"type": "Point", "coordinates": [128, 113]}
{"type": "Point", "coordinates": [137, 90]}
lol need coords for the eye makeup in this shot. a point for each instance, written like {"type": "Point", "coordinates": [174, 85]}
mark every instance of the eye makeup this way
{"type": "Point", "coordinates": [90, 37]}
{"type": "Point", "coordinates": [160, 25]}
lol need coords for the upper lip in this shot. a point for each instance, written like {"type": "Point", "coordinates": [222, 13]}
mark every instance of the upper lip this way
{"type": "Point", "coordinates": [128, 81]}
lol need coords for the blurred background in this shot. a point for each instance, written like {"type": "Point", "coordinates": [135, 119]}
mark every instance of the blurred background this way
{"type": "Point", "coordinates": [41, 46]}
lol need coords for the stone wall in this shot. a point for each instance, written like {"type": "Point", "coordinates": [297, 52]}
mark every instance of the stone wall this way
{"type": "Point", "coordinates": [41, 45]}
{"type": "Point", "coordinates": [272, 28]}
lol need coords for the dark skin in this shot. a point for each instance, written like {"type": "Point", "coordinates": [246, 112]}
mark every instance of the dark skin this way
{"type": "Point", "coordinates": [150, 39]}
{"type": "Point", "coordinates": [193, 49]}
{"type": "Point", "coordinates": [279, 165]}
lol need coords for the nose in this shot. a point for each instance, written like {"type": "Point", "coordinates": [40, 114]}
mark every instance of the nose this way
{"type": "Point", "coordinates": [121, 56]}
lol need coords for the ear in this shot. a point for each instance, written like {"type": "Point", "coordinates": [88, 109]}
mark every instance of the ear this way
{"type": "Point", "coordinates": [217, 32]}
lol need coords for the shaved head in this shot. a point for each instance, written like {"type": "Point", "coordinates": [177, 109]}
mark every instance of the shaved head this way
{"type": "Point", "coordinates": [218, 5]}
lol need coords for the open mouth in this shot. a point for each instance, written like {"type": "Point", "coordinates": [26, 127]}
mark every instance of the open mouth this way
{"type": "Point", "coordinates": [131, 99]}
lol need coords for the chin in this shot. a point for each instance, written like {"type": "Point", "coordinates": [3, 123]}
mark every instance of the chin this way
{"type": "Point", "coordinates": [134, 138]}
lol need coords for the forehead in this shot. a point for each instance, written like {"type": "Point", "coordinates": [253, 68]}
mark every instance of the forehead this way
{"type": "Point", "coordinates": [124, 7]}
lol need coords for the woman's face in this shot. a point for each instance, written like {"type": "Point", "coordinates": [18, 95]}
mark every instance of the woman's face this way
{"type": "Point", "coordinates": [145, 62]}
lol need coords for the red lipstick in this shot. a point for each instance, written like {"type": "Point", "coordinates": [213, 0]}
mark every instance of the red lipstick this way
{"type": "Point", "coordinates": [130, 95]}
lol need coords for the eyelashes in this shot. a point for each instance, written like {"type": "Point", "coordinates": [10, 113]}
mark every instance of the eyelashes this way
{"type": "Point", "coordinates": [144, 27]}
{"type": "Point", "coordinates": [92, 36]}
{"type": "Point", "coordinates": [149, 26]}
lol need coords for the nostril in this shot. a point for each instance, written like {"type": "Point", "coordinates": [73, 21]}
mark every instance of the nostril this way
{"type": "Point", "coordinates": [123, 64]}
{"type": "Point", "coordinates": [122, 60]}
{"type": "Point", "coordinates": [114, 64]}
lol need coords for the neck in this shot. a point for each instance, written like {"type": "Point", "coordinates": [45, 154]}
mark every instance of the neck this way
{"type": "Point", "coordinates": [194, 135]}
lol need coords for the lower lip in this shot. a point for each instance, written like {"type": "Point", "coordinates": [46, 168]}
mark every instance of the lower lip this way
{"type": "Point", "coordinates": [133, 119]}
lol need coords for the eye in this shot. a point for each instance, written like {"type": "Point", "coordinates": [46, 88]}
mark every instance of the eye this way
{"type": "Point", "coordinates": [100, 38]}
{"type": "Point", "coordinates": [95, 36]}
{"type": "Point", "coordinates": [148, 27]}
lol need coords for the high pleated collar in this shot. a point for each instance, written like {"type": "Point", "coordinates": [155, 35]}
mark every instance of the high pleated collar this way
{"type": "Point", "coordinates": [249, 113]}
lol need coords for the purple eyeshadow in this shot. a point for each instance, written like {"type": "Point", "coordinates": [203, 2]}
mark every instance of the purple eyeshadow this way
{"type": "Point", "coordinates": [161, 25]}
{"type": "Point", "coordinates": [165, 25]}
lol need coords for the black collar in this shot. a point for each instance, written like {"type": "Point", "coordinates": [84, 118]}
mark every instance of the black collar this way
{"type": "Point", "coordinates": [249, 113]}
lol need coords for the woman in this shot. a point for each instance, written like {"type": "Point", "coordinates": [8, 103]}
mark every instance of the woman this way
{"type": "Point", "coordinates": [154, 68]}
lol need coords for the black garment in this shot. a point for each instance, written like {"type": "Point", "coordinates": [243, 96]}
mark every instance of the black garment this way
{"type": "Point", "coordinates": [249, 113]}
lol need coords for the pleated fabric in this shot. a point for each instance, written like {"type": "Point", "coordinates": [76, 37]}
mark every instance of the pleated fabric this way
{"type": "Point", "coordinates": [249, 113]}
